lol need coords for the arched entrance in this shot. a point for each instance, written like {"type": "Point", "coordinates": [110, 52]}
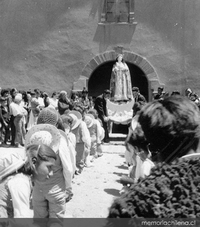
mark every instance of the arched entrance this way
{"type": "Point", "coordinates": [100, 79]}
{"type": "Point", "coordinates": [98, 73]}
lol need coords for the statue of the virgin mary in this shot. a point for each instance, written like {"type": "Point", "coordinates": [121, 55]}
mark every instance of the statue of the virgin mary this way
{"type": "Point", "coordinates": [120, 82]}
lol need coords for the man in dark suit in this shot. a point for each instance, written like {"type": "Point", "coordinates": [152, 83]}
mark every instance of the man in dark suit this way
{"type": "Point", "coordinates": [159, 94]}
{"type": "Point", "coordinates": [100, 106]}
{"type": "Point", "coordinates": [140, 100]}
{"type": "Point", "coordinates": [137, 96]}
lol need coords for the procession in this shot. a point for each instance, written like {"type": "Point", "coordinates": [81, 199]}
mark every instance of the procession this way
{"type": "Point", "coordinates": [60, 136]}
{"type": "Point", "coordinates": [99, 113]}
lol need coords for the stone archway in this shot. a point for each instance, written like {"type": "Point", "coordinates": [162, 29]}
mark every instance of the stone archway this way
{"type": "Point", "coordinates": [131, 58]}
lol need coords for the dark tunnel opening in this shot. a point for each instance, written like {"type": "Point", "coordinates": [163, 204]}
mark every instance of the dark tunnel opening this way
{"type": "Point", "coordinates": [100, 79]}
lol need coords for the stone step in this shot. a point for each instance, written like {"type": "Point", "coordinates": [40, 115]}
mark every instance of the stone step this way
{"type": "Point", "coordinates": [117, 137]}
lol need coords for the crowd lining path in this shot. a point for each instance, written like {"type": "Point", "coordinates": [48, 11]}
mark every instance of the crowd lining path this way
{"type": "Point", "coordinates": [96, 187]}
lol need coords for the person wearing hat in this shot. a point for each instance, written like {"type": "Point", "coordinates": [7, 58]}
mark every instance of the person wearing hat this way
{"type": "Point", "coordinates": [49, 116]}
{"type": "Point", "coordinates": [96, 134]}
{"type": "Point", "coordinates": [83, 140]}
{"type": "Point", "coordinates": [95, 115]}
{"type": "Point", "coordinates": [101, 107]}
{"type": "Point", "coordinates": [15, 186]}
{"type": "Point", "coordinates": [120, 82]}
{"type": "Point", "coordinates": [50, 195]}
{"type": "Point", "coordinates": [67, 124]}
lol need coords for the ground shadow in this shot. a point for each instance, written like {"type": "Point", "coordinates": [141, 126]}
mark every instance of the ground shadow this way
{"type": "Point", "coordinates": [120, 179]}
{"type": "Point", "coordinates": [122, 167]}
{"type": "Point", "coordinates": [118, 174]}
{"type": "Point", "coordinates": [112, 191]}
{"type": "Point", "coordinates": [121, 155]}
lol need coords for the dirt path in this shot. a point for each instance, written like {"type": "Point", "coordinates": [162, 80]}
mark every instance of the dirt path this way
{"type": "Point", "coordinates": [96, 187]}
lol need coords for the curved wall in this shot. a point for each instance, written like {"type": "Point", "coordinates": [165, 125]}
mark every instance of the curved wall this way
{"type": "Point", "coordinates": [98, 72]}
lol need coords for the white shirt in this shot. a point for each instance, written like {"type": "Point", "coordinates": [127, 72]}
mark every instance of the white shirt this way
{"type": "Point", "coordinates": [20, 190]}
{"type": "Point", "coordinates": [53, 103]}
{"type": "Point", "coordinates": [65, 157]}
{"type": "Point", "coordinates": [41, 101]}
{"type": "Point", "coordinates": [15, 109]}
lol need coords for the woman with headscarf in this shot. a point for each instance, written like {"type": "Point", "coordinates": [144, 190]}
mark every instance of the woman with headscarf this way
{"type": "Point", "coordinates": [64, 103]}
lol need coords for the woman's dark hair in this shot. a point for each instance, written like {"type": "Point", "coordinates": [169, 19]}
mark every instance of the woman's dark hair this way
{"type": "Point", "coordinates": [169, 123]}
{"type": "Point", "coordinates": [136, 108]}
{"type": "Point", "coordinates": [4, 91]}
{"type": "Point", "coordinates": [46, 99]}
{"type": "Point", "coordinates": [53, 94]}
{"type": "Point", "coordinates": [24, 96]}
{"type": "Point", "coordinates": [37, 91]}
{"type": "Point", "coordinates": [136, 138]}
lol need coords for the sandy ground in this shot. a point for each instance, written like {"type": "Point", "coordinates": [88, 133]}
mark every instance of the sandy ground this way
{"type": "Point", "coordinates": [96, 187]}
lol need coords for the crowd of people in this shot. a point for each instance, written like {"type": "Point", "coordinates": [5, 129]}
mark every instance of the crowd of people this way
{"type": "Point", "coordinates": [59, 135]}
{"type": "Point", "coordinates": [163, 157]}
{"type": "Point", "coordinates": [19, 110]}
{"type": "Point", "coordinates": [62, 135]}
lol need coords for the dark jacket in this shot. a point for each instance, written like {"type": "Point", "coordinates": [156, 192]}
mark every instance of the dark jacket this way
{"type": "Point", "coordinates": [100, 106]}
{"type": "Point", "coordinates": [141, 99]}
{"type": "Point", "coordinates": [64, 105]}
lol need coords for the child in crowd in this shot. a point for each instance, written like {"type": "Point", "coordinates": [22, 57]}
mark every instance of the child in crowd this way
{"type": "Point", "coordinates": [36, 106]}
{"type": "Point", "coordinates": [67, 123]}
{"type": "Point", "coordinates": [49, 194]}
{"type": "Point", "coordinates": [96, 134]}
{"type": "Point", "coordinates": [65, 153]}
{"type": "Point", "coordinates": [15, 186]}
{"type": "Point", "coordinates": [70, 138]}
{"type": "Point", "coordinates": [83, 140]}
